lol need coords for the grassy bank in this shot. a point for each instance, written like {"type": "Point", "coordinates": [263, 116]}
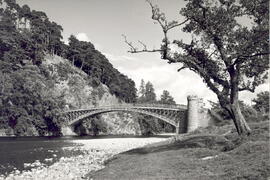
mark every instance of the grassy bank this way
{"type": "Point", "coordinates": [212, 153]}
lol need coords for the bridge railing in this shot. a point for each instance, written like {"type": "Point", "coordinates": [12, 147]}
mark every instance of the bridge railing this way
{"type": "Point", "coordinates": [135, 105]}
{"type": "Point", "coordinates": [177, 106]}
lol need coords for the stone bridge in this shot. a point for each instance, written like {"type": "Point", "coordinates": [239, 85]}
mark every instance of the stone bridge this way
{"type": "Point", "coordinates": [183, 118]}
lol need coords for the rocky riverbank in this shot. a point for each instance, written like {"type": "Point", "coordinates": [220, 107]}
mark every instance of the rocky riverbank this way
{"type": "Point", "coordinates": [91, 157]}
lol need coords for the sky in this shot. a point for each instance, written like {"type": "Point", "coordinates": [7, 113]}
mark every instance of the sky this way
{"type": "Point", "coordinates": [102, 22]}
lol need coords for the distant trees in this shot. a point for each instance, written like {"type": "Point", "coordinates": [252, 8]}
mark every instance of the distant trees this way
{"type": "Point", "coordinates": [84, 56]}
{"type": "Point", "coordinates": [146, 94]}
{"type": "Point", "coordinates": [262, 102]}
{"type": "Point", "coordinates": [141, 92]}
{"type": "Point", "coordinates": [20, 41]}
{"type": "Point", "coordinates": [166, 98]}
{"type": "Point", "coordinates": [229, 56]}
{"type": "Point", "coordinates": [28, 35]}
{"type": "Point", "coordinates": [149, 124]}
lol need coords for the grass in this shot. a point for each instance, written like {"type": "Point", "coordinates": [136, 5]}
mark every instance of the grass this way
{"type": "Point", "coordinates": [211, 153]}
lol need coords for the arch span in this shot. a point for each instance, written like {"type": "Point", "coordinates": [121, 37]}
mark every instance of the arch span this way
{"type": "Point", "coordinates": [184, 118]}
{"type": "Point", "coordinates": [102, 111]}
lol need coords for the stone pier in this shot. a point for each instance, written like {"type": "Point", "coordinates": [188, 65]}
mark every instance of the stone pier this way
{"type": "Point", "coordinates": [192, 113]}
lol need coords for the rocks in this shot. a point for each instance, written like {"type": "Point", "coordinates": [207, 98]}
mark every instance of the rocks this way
{"type": "Point", "coordinates": [209, 157]}
{"type": "Point", "coordinates": [94, 153]}
{"type": "Point", "coordinates": [37, 163]}
{"type": "Point", "coordinates": [48, 160]}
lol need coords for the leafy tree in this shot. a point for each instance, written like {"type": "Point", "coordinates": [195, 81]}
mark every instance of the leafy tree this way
{"type": "Point", "coordinates": [73, 51]}
{"type": "Point", "coordinates": [141, 92]}
{"type": "Point", "coordinates": [150, 95]}
{"type": "Point", "coordinates": [148, 124]}
{"type": "Point", "coordinates": [166, 98]}
{"type": "Point", "coordinates": [262, 102]}
{"type": "Point", "coordinates": [54, 44]}
{"type": "Point", "coordinates": [84, 56]}
{"type": "Point", "coordinates": [229, 56]}
{"type": "Point", "coordinates": [26, 103]}
{"type": "Point", "coordinates": [146, 93]}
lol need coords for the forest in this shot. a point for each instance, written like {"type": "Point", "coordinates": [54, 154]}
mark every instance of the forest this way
{"type": "Point", "coordinates": [26, 36]}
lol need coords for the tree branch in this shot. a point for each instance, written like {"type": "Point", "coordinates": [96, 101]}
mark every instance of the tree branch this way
{"type": "Point", "coordinates": [181, 68]}
{"type": "Point", "coordinates": [248, 86]}
{"type": "Point", "coordinates": [144, 46]}
{"type": "Point", "coordinates": [134, 49]}
{"type": "Point", "coordinates": [251, 89]}
{"type": "Point", "coordinates": [177, 24]}
{"type": "Point", "coordinates": [160, 18]}
{"type": "Point", "coordinates": [241, 59]}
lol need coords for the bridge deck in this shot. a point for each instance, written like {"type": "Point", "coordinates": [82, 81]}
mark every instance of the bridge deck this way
{"type": "Point", "coordinates": [137, 106]}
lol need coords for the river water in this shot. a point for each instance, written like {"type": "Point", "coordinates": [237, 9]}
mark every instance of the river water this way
{"type": "Point", "coordinates": [25, 153]}
{"type": "Point", "coordinates": [16, 153]}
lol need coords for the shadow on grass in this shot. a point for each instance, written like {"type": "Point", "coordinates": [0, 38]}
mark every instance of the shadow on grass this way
{"type": "Point", "coordinates": [209, 153]}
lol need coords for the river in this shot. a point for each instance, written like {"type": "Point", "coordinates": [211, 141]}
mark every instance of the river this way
{"type": "Point", "coordinates": [27, 154]}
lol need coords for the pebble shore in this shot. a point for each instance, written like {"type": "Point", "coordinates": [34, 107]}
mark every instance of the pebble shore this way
{"type": "Point", "coordinates": [94, 153]}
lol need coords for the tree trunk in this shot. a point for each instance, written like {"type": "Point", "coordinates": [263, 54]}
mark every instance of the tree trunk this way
{"type": "Point", "coordinates": [82, 65]}
{"type": "Point", "coordinates": [234, 108]}
{"type": "Point", "coordinates": [239, 121]}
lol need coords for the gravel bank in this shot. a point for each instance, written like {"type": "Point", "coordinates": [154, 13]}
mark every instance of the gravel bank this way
{"type": "Point", "coordinates": [94, 153]}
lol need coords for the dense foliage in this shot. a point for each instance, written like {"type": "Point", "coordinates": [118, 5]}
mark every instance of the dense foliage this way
{"type": "Point", "coordinates": [251, 113]}
{"type": "Point", "coordinates": [166, 98]}
{"type": "Point", "coordinates": [26, 104]}
{"type": "Point", "coordinates": [262, 102]}
{"type": "Point", "coordinates": [150, 125]}
{"type": "Point", "coordinates": [84, 56]}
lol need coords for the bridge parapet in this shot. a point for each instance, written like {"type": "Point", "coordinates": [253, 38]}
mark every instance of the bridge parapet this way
{"type": "Point", "coordinates": [167, 106]}
{"type": "Point", "coordinates": [176, 107]}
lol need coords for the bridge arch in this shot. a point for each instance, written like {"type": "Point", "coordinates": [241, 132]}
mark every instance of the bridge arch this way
{"type": "Point", "coordinates": [102, 111]}
{"type": "Point", "coordinates": [184, 118]}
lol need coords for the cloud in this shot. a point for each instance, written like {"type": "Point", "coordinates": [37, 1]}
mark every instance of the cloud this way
{"type": "Point", "coordinates": [164, 76]}
{"type": "Point", "coordinates": [134, 62]}
{"type": "Point", "coordinates": [98, 47]}
{"type": "Point", "coordinates": [124, 61]}
{"type": "Point", "coordinates": [116, 58]}
{"type": "Point", "coordinates": [247, 96]}
{"type": "Point", "coordinates": [82, 37]}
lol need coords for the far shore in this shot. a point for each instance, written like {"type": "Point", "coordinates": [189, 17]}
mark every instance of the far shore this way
{"type": "Point", "coordinates": [97, 136]}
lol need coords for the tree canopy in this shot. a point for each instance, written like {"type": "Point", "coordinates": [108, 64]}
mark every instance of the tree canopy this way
{"type": "Point", "coordinates": [262, 102]}
{"type": "Point", "coordinates": [166, 98]}
{"type": "Point", "coordinates": [147, 93]}
{"type": "Point", "coordinates": [229, 56]}
{"type": "Point", "coordinates": [149, 124]}
{"type": "Point", "coordinates": [26, 101]}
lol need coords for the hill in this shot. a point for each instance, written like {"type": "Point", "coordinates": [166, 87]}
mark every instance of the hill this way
{"type": "Point", "coordinates": [41, 76]}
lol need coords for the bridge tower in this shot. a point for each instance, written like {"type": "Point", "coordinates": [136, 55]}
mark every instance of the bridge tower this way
{"type": "Point", "coordinates": [192, 113]}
